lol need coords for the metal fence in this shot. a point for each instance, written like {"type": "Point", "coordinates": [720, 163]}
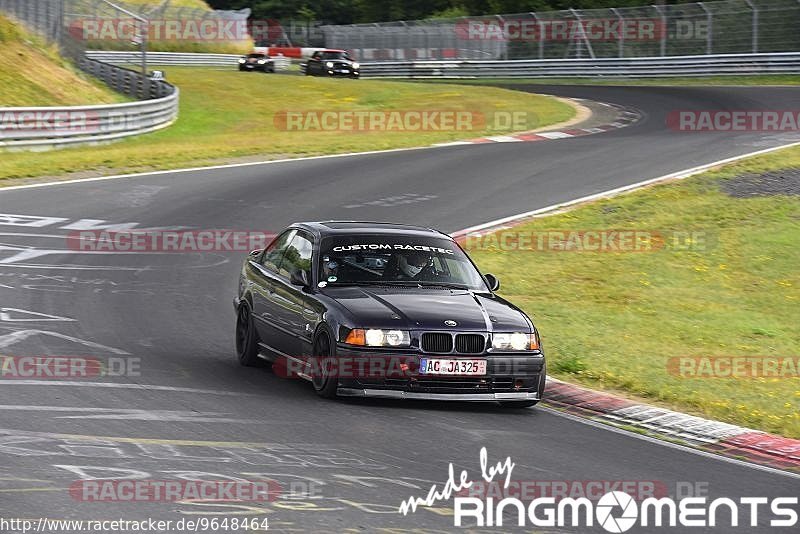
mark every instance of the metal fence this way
{"type": "Point", "coordinates": [66, 22]}
{"type": "Point", "coordinates": [51, 18]}
{"type": "Point", "coordinates": [47, 127]}
{"type": "Point", "coordinates": [721, 27]}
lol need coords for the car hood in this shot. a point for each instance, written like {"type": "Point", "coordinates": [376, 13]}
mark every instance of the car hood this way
{"type": "Point", "coordinates": [428, 309]}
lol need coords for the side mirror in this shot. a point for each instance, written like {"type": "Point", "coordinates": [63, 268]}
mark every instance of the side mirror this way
{"type": "Point", "coordinates": [299, 277]}
{"type": "Point", "coordinates": [256, 252]}
{"type": "Point", "coordinates": [492, 281]}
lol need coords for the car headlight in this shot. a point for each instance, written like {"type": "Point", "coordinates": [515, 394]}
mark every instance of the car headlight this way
{"type": "Point", "coordinates": [329, 64]}
{"type": "Point", "coordinates": [356, 65]}
{"type": "Point", "coordinates": [241, 60]}
{"type": "Point", "coordinates": [515, 341]}
{"type": "Point", "coordinates": [262, 61]}
{"type": "Point", "coordinates": [374, 337]}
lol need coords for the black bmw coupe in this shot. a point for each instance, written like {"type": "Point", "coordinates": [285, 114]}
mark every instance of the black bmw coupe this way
{"type": "Point", "coordinates": [384, 310]}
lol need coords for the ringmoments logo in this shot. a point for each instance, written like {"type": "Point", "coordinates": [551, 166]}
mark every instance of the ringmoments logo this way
{"type": "Point", "coordinates": [614, 511]}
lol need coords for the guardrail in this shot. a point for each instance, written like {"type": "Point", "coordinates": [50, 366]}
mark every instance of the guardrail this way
{"type": "Point", "coordinates": [125, 81]}
{"type": "Point", "coordinates": [705, 65]}
{"type": "Point", "coordinates": [178, 59]}
{"type": "Point", "coordinates": [52, 127]}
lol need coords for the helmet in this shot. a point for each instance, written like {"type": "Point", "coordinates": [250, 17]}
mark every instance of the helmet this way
{"type": "Point", "coordinates": [411, 264]}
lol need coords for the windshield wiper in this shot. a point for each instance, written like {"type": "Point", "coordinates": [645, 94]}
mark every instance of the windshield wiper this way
{"type": "Point", "coordinates": [367, 283]}
{"type": "Point", "coordinates": [423, 283]}
{"type": "Point", "coordinates": [442, 284]}
{"type": "Point", "coordinates": [403, 283]}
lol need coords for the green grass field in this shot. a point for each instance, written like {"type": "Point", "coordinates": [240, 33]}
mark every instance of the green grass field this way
{"type": "Point", "coordinates": [226, 114]}
{"type": "Point", "coordinates": [33, 74]}
{"type": "Point", "coordinates": [612, 320]}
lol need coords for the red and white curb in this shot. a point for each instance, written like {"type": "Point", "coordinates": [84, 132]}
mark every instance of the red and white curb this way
{"type": "Point", "coordinates": [723, 438]}
{"type": "Point", "coordinates": [625, 117]}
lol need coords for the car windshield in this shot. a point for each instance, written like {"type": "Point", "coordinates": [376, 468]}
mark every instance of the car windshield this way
{"type": "Point", "coordinates": [256, 56]}
{"type": "Point", "coordinates": [335, 55]}
{"type": "Point", "coordinates": [396, 260]}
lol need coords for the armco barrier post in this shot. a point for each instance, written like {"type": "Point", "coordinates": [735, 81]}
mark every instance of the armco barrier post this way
{"type": "Point", "coordinates": [621, 36]}
{"type": "Point", "coordinates": [710, 20]}
{"type": "Point", "coordinates": [663, 44]}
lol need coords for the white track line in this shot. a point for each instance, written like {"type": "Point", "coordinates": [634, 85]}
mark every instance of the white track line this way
{"type": "Point", "coordinates": [212, 168]}
{"type": "Point", "coordinates": [624, 189]}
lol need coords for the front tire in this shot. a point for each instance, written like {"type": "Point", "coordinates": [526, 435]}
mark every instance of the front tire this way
{"type": "Point", "coordinates": [246, 338]}
{"type": "Point", "coordinates": [324, 384]}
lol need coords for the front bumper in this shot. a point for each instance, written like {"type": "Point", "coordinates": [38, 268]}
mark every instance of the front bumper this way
{"type": "Point", "coordinates": [343, 73]}
{"type": "Point", "coordinates": [509, 376]}
{"type": "Point", "coordinates": [462, 397]}
{"type": "Point", "coordinates": [252, 66]}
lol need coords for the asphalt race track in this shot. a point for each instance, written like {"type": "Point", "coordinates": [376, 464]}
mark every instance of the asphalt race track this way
{"type": "Point", "coordinates": [194, 412]}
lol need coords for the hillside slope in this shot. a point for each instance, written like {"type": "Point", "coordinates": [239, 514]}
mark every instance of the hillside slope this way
{"type": "Point", "coordinates": [33, 74]}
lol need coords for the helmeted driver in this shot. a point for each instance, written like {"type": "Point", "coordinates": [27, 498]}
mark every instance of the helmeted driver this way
{"type": "Point", "coordinates": [413, 263]}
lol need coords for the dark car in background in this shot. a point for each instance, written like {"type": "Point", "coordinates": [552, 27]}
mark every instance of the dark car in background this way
{"type": "Point", "coordinates": [404, 299]}
{"type": "Point", "coordinates": [332, 63]}
{"type": "Point", "coordinates": [257, 61]}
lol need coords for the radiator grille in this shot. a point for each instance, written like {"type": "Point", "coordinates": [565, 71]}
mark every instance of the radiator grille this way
{"type": "Point", "coordinates": [437, 342]}
{"type": "Point", "coordinates": [470, 343]}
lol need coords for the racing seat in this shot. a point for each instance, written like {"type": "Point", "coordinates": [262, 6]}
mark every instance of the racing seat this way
{"type": "Point", "coordinates": [392, 269]}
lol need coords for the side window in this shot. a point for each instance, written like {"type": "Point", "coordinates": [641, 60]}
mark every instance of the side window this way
{"type": "Point", "coordinates": [274, 253]}
{"type": "Point", "coordinates": [297, 257]}
{"type": "Point", "coordinates": [316, 55]}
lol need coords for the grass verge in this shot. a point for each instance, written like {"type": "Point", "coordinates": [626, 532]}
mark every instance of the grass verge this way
{"type": "Point", "coordinates": [32, 73]}
{"type": "Point", "coordinates": [613, 320]}
{"type": "Point", "coordinates": [226, 114]}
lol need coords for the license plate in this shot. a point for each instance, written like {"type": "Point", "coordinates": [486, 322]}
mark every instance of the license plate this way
{"type": "Point", "coordinates": [430, 366]}
{"type": "Point", "coordinates": [344, 71]}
